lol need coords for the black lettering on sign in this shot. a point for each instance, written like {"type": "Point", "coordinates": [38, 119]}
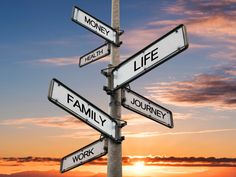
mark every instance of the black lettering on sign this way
{"type": "Point", "coordinates": [95, 25]}
{"type": "Point", "coordinates": [99, 52]}
{"type": "Point", "coordinates": [147, 58]}
{"type": "Point", "coordinates": [82, 155]}
{"type": "Point", "coordinates": [91, 151]}
{"type": "Point", "coordinates": [87, 111]}
{"type": "Point", "coordinates": [147, 107]}
{"type": "Point", "coordinates": [90, 57]}
{"type": "Point", "coordinates": [102, 120]}
{"type": "Point", "coordinates": [94, 55]}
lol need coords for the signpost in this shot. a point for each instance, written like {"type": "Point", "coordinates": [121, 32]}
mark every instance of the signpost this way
{"type": "Point", "coordinates": [94, 55]}
{"type": "Point", "coordinates": [86, 154]}
{"type": "Point", "coordinates": [151, 56]}
{"type": "Point", "coordinates": [141, 105]}
{"type": "Point", "coordinates": [95, 25]}
{"type": "Point", "coordinates": [78, 106]}
{"type": "Point", "coordinates": [118, 75]}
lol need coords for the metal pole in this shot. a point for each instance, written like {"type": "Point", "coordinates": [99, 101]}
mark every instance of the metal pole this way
{"type": "Point", "coordinates": [114, 167]}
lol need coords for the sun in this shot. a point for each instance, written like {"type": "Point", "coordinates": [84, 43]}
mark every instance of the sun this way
{"type": "Point", "coordinates": [139, 167]}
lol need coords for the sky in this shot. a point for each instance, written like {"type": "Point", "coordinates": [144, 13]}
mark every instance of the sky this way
{"type": "Point", "coordinates": [39, 42]}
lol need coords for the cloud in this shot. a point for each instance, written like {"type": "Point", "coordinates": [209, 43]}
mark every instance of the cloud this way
{"type": "Point", "coordinates": [200, 46]}
{"type": "Point", "coordinates": [29, 159]}
{"type": "Point", "coordinates": [59, 61]}
{"type": "Point", "coordinates": [173, 161]}
{"type": "Point", "coordinates": [130, 160]}
{"type": "Point", "coordinates": [182, 116]}
{"type": "Point", "coordinates": [203, 90]}
{"type": "Point", "coordinates": [231, 72]}
{"type": "Point", "coordinates": [82, 134]}
{"type": "Point", "coordinates": [136, 39]}
{"type": "Point", "coordinates": [228, 53]}
{"type": "Point", "coordinates": [201, 8]}
{"type": "Point", "coordinates": [217, 24]}
{"type": "Point", "coordinates": [54, 173]}
{"type": "Point", "coordinates": [67, 122]}
{"type": "Point", "coordinates": [180, 161]}
{"type": "Point", "coordinates": [155, 133]}
{"type": "Point", "coordinates": [215, 32]}
{"type": "Point", "coordinates": [215, 28]}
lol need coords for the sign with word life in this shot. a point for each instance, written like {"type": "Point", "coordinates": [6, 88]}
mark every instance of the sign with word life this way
{"type": "Point", "coordinates": [78, 106]}
{"type": "Point", "coordinates": [94, 55]}
{"type": "Point", "coordinates": [141, 105]}
{"type": "Point", "coordinates": [86, 154]}
{"type": "Point", "coordinates": [96, 26]}
{"type": "Point", "coordinates": [151, 56]}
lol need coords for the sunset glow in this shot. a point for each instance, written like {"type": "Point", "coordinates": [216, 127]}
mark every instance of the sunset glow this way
{"type": "Point", "coordinates": [139, 167]}
{"type": "Point", "coordinates": [39, 42]}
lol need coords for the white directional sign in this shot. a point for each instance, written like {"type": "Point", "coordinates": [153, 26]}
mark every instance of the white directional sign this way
{"type": "Point", "coordinates": [78, 106]}
{"type": "Point", "coordinates": [94, 55]}
{"type": "Point", "coordinates": [86, 154]}
{"type": "Point", "coordinates": [141, 105]}
{"type": "Point", "coordinates": [93, 24]}
{"type": "Point", "coordinates": [151, 56]}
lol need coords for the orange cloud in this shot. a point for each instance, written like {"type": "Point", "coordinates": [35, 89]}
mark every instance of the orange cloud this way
{"type": "Point", "coordinates": [204, 90]}
{"type": "Point", "coordinates": [54, 173]}
{"type": "Point", "coordinates": [155, 133]}
{"type": "Point", "coordinates": [201, 7]}
{"type": "Point", "coordinates": [60, 122]}
{"type": "Point", "coordinates": [130, 160]}
{"type": "Point", "coordinates": [64, 122]}
{"type": "Point", "coordinates": [59, 61]}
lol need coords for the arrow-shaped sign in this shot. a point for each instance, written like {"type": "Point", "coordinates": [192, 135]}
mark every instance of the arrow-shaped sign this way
{"type": "Point", "coordinates": [86, 154]}
{"type": "Point", "coordinates": [94, 55]}
{"type": "Point", "coordinates": [141, 105]}
{"type": "Point", "coordinates": [70, 101]}
{"type": "Point", "coordinates": [151, 56]}
{"type": "Point", "coordinates": [95, 25]}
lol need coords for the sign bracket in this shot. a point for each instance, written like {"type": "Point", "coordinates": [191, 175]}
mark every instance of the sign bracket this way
{"type": "Point", "coordinates": [106, 72]}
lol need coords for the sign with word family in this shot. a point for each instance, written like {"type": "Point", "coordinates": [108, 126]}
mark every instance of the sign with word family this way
{"type": "Point", "coordinates": [141, 105]}
{"type": "Point", "coordinates": [86, 154]}
{"type": "Point", "coordinates": [94, 55]}
{"type": "Point", "coordinates": [78, 106]}
{"type": "Point", "coordinates": [93, 24]}
{"type": "Point", "coordinates": [151, 56]}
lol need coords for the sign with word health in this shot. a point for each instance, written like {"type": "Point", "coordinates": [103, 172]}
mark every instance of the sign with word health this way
{"type": "Point", "coordinates": [70, 101]}
{"type": "Point", "coordinates": [95, 25]}
{"type": "Point", "coordinates": [151, 56]}
{"type": "Point", "coordinates": [143, 106]}
{"type": "Point", "coordinates": [94, 55]}
{"type": "Point", "coordinates": [86, 154]}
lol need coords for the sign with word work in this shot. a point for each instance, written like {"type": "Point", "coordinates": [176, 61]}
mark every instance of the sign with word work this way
{"type": "Point", "coordinates": [94, 55]}
{"type": "Point", "coordinates": [78, 106]}
{"type": "Point", "coordinates": [86, 154]}
{"type": "Point", "coordinates": [96, 26]}
{"type": "Point", "coordinates": [141, 105]}
{"type": "Point", "coordinates": [151, 56]}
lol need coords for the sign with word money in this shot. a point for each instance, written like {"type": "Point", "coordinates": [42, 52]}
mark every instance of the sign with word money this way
{"type": "Point", "coordinates": [95, 25]}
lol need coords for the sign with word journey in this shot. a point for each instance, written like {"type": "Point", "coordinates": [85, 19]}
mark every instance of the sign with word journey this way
{"type": "Point", "coordinates": [141, 105]}
{"type": "Point", "coordinates": [94, 55]}
{"type": "Point", "coordinates": [78, 106]}
{"type": "Point", "coordinates": [86, 154]}
{"type": "Point", "coordinates": [151, 56]}
{"type": "Point", "coordinates": [96, 26]}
